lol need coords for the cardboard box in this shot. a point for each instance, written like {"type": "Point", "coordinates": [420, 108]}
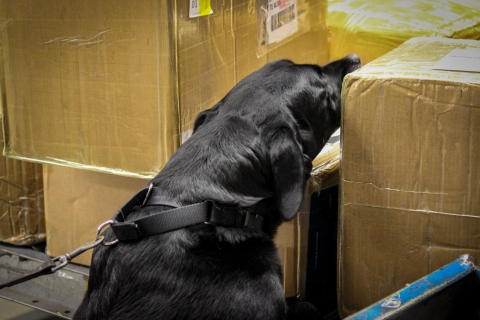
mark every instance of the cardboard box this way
{"type": "Point", "coordinates": [78, 201]}
{"type": "Point", "coordinates": [373, 28]}
{"type": "Point", "coordinates": [410, 173]}
{"type": "Point", "coordinates": [22, 217]}
{"type": "Point", "coordinates": [115, 85]}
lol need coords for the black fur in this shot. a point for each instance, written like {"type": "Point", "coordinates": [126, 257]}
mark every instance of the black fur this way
{"type": "Point", "coordinates": [253, 149]}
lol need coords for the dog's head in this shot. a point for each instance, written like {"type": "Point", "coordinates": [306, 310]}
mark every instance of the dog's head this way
{"type": "Point", "coordinates": [293, 109]}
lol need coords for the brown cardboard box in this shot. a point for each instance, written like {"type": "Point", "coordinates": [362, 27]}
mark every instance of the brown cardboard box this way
{"type": "Point", "coordinates": [115, 85]}
{"type": "Point", "coordinates": [410, 173]}
{"type": "Point", "coordinates": [22, 217]}
{"type": "Point", "coordinates": [78, 201]}
{"type": "Point", "coordinates": [373, 28]}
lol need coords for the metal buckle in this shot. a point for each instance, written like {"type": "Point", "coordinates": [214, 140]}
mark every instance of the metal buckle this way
{"type": "Point", "coordinates": [253, 221]}
{"type": "Point", "coordinates": [232, 217]}
{"type": "Point", "coordinates": [63, 262]}
{"type": "Point", "coordinates": [150, 187]}
{"type": "Point", "coordinates": [101, 227]}
{"type": "Point", "coordinates": [248, 217]}
{"type": "Point", "coordinates": [210, 207]}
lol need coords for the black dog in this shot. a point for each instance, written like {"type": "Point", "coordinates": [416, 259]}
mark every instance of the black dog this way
{"type": "Point", "coordinates": [249, 156]}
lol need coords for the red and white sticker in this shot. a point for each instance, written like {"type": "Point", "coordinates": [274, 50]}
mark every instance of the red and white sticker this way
{"type": "Point", "coordinates": [282, 19]}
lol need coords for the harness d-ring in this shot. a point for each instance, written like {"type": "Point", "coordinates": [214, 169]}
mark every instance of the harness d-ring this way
{"type": "Point", "coordinates": [101, 227]}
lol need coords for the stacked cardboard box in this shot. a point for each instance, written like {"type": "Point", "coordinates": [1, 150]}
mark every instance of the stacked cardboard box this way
{"type": "Point", "coordinates": [115, 85]}
{"type": "Point", "coordinates": [22, 219]}
{"type": "Point", "coordinates": [410, 173]}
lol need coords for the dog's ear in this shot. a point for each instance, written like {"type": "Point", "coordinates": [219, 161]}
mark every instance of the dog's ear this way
{"type": "Point", "coordinates": [289, 168]}
{"type": "Point", "coordinates": [205, 116]}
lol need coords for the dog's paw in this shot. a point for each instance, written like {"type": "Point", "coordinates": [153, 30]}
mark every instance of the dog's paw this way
{"type": "Point", "coordinates": [300, 310]}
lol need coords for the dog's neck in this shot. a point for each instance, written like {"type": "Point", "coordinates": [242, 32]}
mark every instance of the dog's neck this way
{"type": "Point", "coordinates": [263, 207]}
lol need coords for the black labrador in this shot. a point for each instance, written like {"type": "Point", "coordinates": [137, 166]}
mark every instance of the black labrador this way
{"type": "Point", "coordinates": [249, 158]}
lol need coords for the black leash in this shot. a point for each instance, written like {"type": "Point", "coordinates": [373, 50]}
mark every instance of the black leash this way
{"type": "Point", "coordinates": [52, 265]}
{"type": "Point", "coordinates": [43, 269]}
{"type": "Point", "coordinates": [176, 218]}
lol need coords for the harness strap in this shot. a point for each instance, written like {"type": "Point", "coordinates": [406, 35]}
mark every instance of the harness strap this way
{"type": "Point", "coordinates": [165, 221]}
{"type": "Point", "coordinates": [176, 218]}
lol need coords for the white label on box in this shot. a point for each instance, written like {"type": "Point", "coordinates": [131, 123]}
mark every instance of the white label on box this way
{"type": "Point", "coordinates": [460, 60]}
{"type": "Point", "coordinates": [282, 19]}
{"type": "Point", "coordinates": [199, 8]}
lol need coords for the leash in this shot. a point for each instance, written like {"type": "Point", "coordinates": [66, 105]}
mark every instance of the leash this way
{"type": "Point", "coordinates": [207, 212]}
{"type": "Point", "coordinates": [52, 265]}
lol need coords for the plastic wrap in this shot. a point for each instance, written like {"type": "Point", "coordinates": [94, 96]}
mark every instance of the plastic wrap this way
{"type": "Point", "coordinates": [373, 28]}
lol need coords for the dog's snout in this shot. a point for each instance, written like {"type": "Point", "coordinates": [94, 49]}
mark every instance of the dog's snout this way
{"type": "Point", "coordinates": [354, 59]}
{"type": "Point", "coordinates": [353, 64]}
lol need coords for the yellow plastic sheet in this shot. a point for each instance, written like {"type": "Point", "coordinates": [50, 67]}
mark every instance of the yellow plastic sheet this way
{"type": "Point", "coordinates": [373, 28]}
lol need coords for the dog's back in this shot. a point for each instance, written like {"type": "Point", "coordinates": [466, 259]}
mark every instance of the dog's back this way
{"type": "Point", "coordinates": [186, 274]}
{"type": "Point", "coordinates": [251, 151]}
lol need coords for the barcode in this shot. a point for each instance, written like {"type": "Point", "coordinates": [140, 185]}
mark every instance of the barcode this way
{"type": "Point", "coordinates": [283, 17]}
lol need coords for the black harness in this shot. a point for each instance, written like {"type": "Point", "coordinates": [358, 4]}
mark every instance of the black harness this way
{"type": "Point", "coordinates": [164, 221]}
{"type": "Point", "coordinates": [176, 218]}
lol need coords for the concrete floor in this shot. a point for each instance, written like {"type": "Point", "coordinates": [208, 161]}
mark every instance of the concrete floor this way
{"type": "Point", "coordinates": [15, 311]}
